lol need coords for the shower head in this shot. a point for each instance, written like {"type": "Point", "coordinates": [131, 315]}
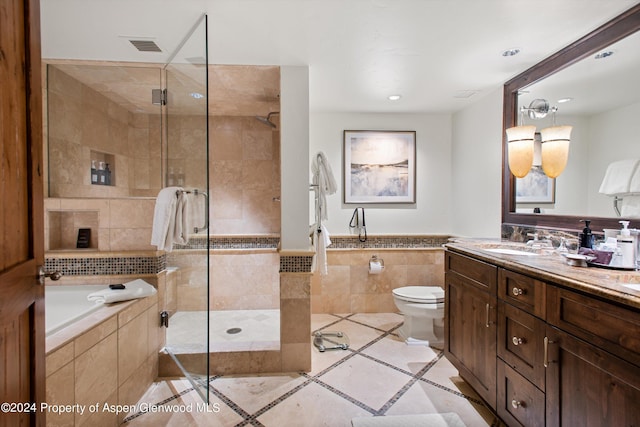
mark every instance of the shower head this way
{"type": "Point", "coordinates": [267, 120]}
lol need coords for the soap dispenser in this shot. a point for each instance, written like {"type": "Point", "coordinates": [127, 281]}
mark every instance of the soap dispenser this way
{"type": "Point", "coordinates": [586, 237]}
{"type": "Point", "coordinates": [626, 246]}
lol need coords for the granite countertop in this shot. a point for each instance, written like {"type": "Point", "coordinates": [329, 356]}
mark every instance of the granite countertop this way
{"type": "Point", "coordinates": [550, 266]}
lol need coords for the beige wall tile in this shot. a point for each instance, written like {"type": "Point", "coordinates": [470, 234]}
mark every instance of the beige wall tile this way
{"type": "Point", "coordinates": [133, 346]}
{"type": "Point", "coordinates": [95, 379]}
{"type": "Point", "coordinates": [59, 358]}
{"type": "Point", "coordinates": [130, 239]}
{"type": "Point", "coordinates": [349, 280]}
{"type": "Point", "coordinates": [296, 357]}
{"type": "Point", "coordinates": [90, 338]}
{"type": "Point", "coordinates": [295, 321]}
{"type": "Point", "coordinates": [60, 391]}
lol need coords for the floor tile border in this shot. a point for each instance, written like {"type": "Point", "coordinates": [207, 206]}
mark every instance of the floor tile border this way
{"type": "Point", "coordinates": [251, 418]}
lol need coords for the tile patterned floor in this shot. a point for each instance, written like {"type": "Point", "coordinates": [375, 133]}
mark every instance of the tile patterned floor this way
{"type": "Point", "coordinates": [378, 375]}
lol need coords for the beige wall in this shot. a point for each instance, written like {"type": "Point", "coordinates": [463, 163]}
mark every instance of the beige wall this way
{"type": "Point", "coordinates": [118, 224]}
{"type": "Point", "coordinates": [81, 120]}
{"type": "Point", "coordinates": [244, 171]}
{"type": "Point", "coordinates": [240, 279]}
{"type": "Point", "coordinates": [349, 288]}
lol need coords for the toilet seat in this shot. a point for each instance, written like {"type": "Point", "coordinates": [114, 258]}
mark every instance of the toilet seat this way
{"type": "Point", "coordinates": [420, 294]}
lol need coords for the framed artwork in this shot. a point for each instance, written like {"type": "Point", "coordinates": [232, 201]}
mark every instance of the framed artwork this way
{"type": "Point", "coordinates": [535, 187]}
{"type": "Point", "coordinates": [379, 166]}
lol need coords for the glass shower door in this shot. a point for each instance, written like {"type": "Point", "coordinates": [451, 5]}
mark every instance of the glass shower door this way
{"type": "Point", "coordinates": [186, 155]}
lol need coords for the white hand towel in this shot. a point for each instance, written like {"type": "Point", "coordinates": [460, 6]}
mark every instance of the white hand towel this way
{"type": "Point", "coordinates": [321, 240]}
{"type": "Point", "coordinates": [135, 289]}
{"type": "Point", "coordinates": [170, 219]}
{"type": "Point", "coordinates": [630, 207]}
{"type": "Point", "coordinates": [618, 177]}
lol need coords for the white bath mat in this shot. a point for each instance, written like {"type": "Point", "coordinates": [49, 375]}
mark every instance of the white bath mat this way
{"type": "Point", "coordinates": [448, 419]}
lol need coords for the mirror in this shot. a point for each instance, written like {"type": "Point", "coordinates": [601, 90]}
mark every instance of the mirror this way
{"type": "Point", "coordinates": [603, 128]}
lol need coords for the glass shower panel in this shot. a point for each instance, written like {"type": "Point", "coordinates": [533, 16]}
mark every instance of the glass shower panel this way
{"type": "Point", "coordinates": [186, 155]}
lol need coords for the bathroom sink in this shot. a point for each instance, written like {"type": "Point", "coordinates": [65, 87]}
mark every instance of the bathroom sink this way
{"type": "Point", "coordinates": [510, 251]}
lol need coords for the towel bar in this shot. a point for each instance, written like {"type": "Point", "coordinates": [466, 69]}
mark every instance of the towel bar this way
{"type": "Point", "coordinates": [196, 192]}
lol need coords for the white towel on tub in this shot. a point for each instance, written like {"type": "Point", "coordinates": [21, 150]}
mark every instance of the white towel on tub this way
{"type": "Point", "coordinates": [135, 289]}
{"type": "Point", "coordinates": [171, 220]}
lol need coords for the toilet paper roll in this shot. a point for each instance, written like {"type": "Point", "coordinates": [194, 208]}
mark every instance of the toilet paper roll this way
{"type": "Point", "coordinates": [375, 267]}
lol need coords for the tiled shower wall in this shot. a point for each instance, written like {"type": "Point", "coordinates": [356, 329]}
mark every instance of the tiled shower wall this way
{"type": "Point", "coordinates": [244, 171]}
{"type": "Point", "coordinates": [81, 120]}
{"type": "Point", "coordinates": [246, 279]}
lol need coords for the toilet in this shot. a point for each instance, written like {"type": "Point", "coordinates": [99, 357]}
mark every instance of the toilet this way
{"type": "Point", "coordinates": [423, 311]}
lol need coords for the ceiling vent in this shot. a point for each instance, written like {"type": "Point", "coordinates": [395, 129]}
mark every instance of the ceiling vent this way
{"type": "Point", "coordinates": [145, 45]}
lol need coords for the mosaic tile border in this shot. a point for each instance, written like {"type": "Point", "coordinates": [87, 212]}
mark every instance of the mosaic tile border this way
{"type": "Point", "coordinates": [232, 242]}
{"type": "Point", "coordinates": [107, 266]}
{"type": "Point", "coordinates": [388, 242]}
{"type": "Point", "coordinates": [122, 265]}
{"type": "Point", "coordinates": [296, 264]}
{"type": "Point", "coordinates": [251, 419]}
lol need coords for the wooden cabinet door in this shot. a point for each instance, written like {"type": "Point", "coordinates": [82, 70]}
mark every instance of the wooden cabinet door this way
{"type": "Point", "coordinates": [470, 334]}
{"type": "Point", "coordinates": [587, 386]}
{"type": "Point", "coordinates": [22, 345]}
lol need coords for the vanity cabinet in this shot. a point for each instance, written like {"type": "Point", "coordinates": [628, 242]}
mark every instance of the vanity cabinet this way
{"type": "Point", "coordinates": [470, 326]}
{"type": "Point", "coordinates": [593, 368]}
{"type": "Point", "coordinates": [539, 353]}
{"type": "Point", "coordinates": [521, 331]}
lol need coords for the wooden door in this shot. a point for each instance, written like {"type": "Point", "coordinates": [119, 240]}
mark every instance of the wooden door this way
{"type": "Point", "coordinates": [22, 347]}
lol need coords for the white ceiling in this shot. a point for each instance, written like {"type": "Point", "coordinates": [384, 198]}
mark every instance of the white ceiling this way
{"type": "Point", "coordinates": [358, 51]}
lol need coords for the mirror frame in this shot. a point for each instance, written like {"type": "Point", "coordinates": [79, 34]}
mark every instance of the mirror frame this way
{"type": "Point", "coordinates": [618, 28]}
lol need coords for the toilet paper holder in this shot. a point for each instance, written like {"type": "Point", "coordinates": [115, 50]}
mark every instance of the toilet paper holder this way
{"type": "Point", "coordinates": [376, 265]}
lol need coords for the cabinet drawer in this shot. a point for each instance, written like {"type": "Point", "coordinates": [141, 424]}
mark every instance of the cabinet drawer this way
{"type": "Point", "coordinates": [522, 291]}
{"type": "Point", "coordinates": [521, 342]}
{"type": "Point", "coordinates": [519, 401]}
{"type": "Point", "coordinates": [606, 325]}
{"type": "Point", "coordinates": [483, 275]}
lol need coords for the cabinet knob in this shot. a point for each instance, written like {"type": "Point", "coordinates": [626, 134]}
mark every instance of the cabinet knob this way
{"type": "Point", "coordinates": [517, 341]}
{"type": "Point", "coordinates": [517, 404]}
{"type": "Point", "coordinates": [517, 291]}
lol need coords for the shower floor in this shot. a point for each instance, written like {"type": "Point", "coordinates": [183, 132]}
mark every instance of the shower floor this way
{"type": "Point", "coordinates": [258, 330]}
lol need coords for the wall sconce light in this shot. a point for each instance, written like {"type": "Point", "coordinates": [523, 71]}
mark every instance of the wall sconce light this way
{"type": "Point", "coordinates": [555, 142]}
{"type": "Point", "coordinates": [555, 149]}
{"type": "Point", "coordinates": [520, 149]}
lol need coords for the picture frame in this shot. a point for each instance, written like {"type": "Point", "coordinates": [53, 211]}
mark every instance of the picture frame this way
{"type": "Point", "coordinates": [535, 187]}
{"type": "Point", "coordinates": [379, 166]}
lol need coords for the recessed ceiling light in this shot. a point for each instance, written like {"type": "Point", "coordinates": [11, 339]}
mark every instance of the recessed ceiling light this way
{"type": "Point", "coordinates": [563, 100]}
{"type": "Point", "coordinates": [511, 52]}
{"type": "Point", "coordinates": [394, 97]}
{"type": "Point", "coordinates": [196, 95]}
{"type": "Point", "coordinates": [604, 54]}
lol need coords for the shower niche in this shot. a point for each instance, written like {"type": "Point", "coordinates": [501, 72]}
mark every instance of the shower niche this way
{"type": "Point", "coordinates": [102, 168]}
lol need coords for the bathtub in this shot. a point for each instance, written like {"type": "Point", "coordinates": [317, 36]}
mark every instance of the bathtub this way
{"type": "Point", "coordinates": [88, 343]}
{"type": "Point", "coordinates": [67, 304]}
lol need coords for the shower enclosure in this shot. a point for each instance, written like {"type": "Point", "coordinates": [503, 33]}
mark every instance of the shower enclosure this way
{"type": "Point", "coordinates": [225, 280]}
{"type": "Point", "coordinates": [212, 130]}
